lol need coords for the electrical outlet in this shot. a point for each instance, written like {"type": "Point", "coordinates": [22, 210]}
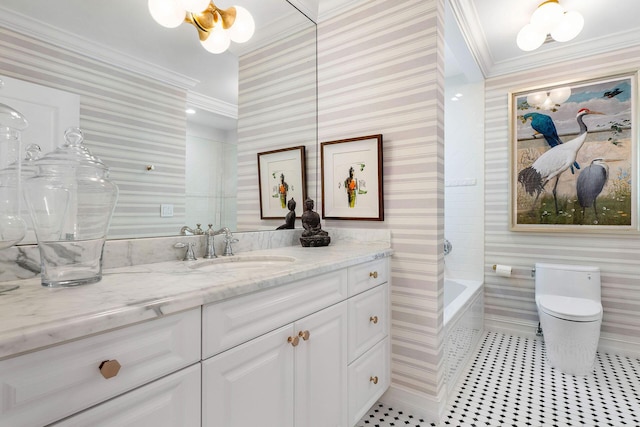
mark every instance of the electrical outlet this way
{"type": "Point", "coordinates": [166, 210]}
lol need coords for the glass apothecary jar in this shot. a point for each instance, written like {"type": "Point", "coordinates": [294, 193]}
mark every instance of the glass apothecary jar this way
{"type": "Point", "coordinates": [12, 226]}
{"type": "Point", "coordinates": [71, 201]}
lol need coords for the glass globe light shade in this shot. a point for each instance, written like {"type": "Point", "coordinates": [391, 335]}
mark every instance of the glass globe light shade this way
{"type": "Point", "coordinates": [548, 104]}
{"type": "Point", "coordinates": [218, 40]}
{"type": "Point", "coordinates": [560, 95]}
{"type": "Point", "coordinates": [536, 99]}
{"type": "Point", "coordinates": [568, 27]}
{"type": "Point", "coordinates": [530, 37]}
{"type": "Point", "coordinates": [195, 6]}
{"type": "Point", "coordinates": [168, 13]}
{"type": "Point", "coordinates": [243, 27]}
{"type": "Point", "coordinates": [547, 15]}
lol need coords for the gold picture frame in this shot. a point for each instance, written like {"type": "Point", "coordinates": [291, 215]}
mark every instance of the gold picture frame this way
{"type": "Point", "coordinates": [573, 156]}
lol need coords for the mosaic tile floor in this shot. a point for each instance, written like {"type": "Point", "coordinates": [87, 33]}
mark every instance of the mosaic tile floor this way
{"type": "Point", "coordinates": [509, 383]}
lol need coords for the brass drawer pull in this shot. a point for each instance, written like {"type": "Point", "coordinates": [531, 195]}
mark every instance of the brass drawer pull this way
{"type": "Point", "coordinates": [373, 319]}
{"type": "Point", "coordinates": [374, 380]}
{"type": "Point", "coordinates": [304, 335]}
{"type": "Point", "coordinates": [293, 341]}
{"type": "Point", "coordinates": [373, 274]}
{"type": "Point", "coordinates": [109, 368]}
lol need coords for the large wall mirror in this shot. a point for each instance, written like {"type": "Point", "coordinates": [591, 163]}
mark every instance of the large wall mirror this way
{"type": "Point", "coordinates": [137, 84]}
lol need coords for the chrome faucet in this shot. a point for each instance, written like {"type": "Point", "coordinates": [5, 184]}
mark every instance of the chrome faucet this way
{"type": "Point", "coordinates": [189, 255]}
{"type": "Point", "coordinates": [228, 240]}
{"type": "Point", "coordinates": [210, 251]}
{"type": "Point", "coordinates": [186, 229]}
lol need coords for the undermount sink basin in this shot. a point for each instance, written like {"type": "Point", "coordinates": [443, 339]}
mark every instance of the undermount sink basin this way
{"type": "Point", "coordinates": [235, 263]}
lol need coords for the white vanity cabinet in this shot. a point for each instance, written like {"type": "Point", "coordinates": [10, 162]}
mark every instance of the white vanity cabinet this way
{"type": "Point", "coordinates": [45, 386]}
{"type": "Point", "coordinates": [310, 353]}
{"type": "Point", "coordinates": [283, 357]}
{"type": "Point", "coordinates": [293, 376]}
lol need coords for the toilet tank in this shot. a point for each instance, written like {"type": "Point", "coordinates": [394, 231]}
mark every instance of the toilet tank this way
{"type": "Point", "coordinates": [576, 281]}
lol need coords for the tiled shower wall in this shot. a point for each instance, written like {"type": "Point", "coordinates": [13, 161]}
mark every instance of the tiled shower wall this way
{"type": "Point", "coordinates": [509, 302]}
{"type": "Point", "coordinates": [380, 71]}
{"type": "Point", "coordinates": [464, 177]}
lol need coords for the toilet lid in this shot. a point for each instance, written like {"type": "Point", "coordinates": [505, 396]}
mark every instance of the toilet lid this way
{"type": "Point", "coordinates": [570, 308]}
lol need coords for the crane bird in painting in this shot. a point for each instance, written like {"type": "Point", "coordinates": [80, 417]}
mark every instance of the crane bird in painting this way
{"type": "Point", "coordinates": [590, 183]}
{"type": "Point", "coordinates": [543, 124]}
{"type": "Point", "coordinates": [554, 161]}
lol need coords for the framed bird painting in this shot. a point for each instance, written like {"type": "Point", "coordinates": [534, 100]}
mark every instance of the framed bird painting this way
{"type": "Point", "coordinates": [573, 156]}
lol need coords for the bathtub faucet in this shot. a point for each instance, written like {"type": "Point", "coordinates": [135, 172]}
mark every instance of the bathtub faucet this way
{"type": "Point", "coordinates": [448, 247]}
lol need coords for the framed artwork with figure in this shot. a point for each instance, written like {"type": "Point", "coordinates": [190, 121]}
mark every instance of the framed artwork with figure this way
{"type": "Point", "coordinates": [281, 177]}
{"type": "Point", "coordinates": [351, 176]}
{"type": "Point", "coordinates": [573, 156]}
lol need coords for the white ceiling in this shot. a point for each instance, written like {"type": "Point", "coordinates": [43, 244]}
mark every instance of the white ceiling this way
{"type": "Point", "coordinates": [490, 28]}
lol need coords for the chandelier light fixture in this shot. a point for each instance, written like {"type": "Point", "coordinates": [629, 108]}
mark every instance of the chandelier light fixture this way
{"type": "Point", "coordinates": [549, 19]}
{"type": "Point", "coordinates": [216, 27]}
{"type": "Point", "coordinates": [548, 100]}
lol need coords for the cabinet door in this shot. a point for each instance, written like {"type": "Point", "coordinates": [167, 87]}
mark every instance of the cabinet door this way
{"type": "Point", "coordinates": [169, 402]}
{"type": "Point", "coordinates": [251, 384]}
{"type": "Point", "coordinates": [321, 369]}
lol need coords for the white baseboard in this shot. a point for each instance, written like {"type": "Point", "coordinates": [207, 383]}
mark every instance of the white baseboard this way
{"type": "Point", "coordinates": [430, 409]}
{"type": "Point", "coordinates": [509, 326]}
{"type": "Point", "coordinates": [607, 344]}
{"type": "Point", "coordinates": [620, 347]}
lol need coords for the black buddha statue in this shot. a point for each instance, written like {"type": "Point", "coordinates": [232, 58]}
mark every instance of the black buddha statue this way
{"type": "Point", "coordinates": [313, 235]}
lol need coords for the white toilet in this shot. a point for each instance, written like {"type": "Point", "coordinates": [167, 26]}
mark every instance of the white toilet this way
{"type": "Point", "coordinates": [570, 311]}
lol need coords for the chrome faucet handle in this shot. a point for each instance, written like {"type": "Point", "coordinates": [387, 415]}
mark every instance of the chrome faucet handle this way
{"type": "Point", "coordinates": [210, 251]}
{"type": "Point", "coordinates": [448, 247]}
{"type": "Point", "coordinates": [228, 240]}
{"type": "Point", "coordinates": [189, 255]}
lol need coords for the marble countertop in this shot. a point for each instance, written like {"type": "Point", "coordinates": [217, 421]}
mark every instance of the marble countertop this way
{"type": "Point", "coordinates": [34, 316]}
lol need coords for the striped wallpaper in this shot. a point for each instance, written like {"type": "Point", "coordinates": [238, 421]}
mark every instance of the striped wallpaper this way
{"type": "Point", "coordinates": [276, 109]}
{"type": "Point", "coordinates": [380, 70]}
{"type": "Point", "coordinates": [509, 302]}
{"type": "Point", "coordinates": [129, 121]}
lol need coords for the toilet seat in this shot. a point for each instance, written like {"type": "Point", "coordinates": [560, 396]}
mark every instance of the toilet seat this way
{"type": "Point", "coordinates": [570, 308]}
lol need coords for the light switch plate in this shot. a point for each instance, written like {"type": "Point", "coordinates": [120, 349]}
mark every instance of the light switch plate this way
{"type": "Point", "coordinates": [166, 210]}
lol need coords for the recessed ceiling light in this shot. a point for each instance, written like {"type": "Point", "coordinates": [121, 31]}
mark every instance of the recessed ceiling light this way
{"type": "Point", "coordinates": [190, 111]}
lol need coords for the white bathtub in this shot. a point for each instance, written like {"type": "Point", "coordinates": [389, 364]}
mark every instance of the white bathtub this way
{"type": "Point", "coordinates": [463, 324]}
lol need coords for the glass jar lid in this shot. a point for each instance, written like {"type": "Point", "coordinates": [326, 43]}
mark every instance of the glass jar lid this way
{"type": "Point", "coordinates": [72, 153]}
{"type": "Point", "coordinates": [10, 118]}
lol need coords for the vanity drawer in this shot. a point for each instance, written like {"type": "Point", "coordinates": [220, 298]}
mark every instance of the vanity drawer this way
{"type": "Point", "coordinates": [168, 402]}
{"type": "Point", "coordinates": [368, 380]}
{"type": "Point", "coordinates": [368, 275]}
{"type": "Point", "coordinates": [44, 386]}
{"type": "Point", "coordinates": [368, 320]}
{"type": "Point", "coordinates": [235, 321]}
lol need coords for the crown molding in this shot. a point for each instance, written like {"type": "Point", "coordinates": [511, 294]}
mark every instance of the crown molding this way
{"type": "Point", "coordinates": [464, 12]}
{"type": "Point", "coordinates": [212, 105]}
{"type": "Point", "coordinates": [309, 8]}
{"type": "Point", "coordinates": [562, 52]}
{"type": "Point", "coordinates": [47, 33]}
{"type": "Point", "coordinates": [331, 8]}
